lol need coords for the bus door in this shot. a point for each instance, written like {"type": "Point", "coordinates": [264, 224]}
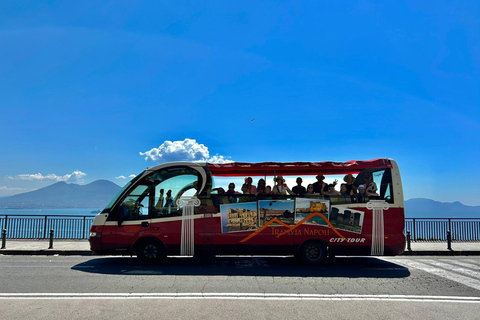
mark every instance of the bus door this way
{"type": "Point", "coordinates": [132, 217]}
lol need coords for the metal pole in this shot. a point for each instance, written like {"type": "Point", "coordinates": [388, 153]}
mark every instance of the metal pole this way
{"type": "Point", "coordinates": [414, 229]}
{"type": "Point", "coordinates": [449, 240]}
{"type": "Point", "coordinates": [409, 248]}
{"type": "Point", "coordinates": [51, 239]}
{"type": "Point", "coordinates": [4, 238]}
{"type": "Point", "coordinates": [83, 229]}
{"type": "Point", "coordinates": [45, 228]}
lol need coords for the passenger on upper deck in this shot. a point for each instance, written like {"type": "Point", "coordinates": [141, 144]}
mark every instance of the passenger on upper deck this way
{"type": "Point", "coordinates": [361, 196]}
{"type": "Point", "coordinates": [331, 191]}
{"type": "Point", "coordinates": [268, 190]}
{"type": "Point", "coordinates": [310, 189]}
{"type": "Point", "coordinates": [281, 187]}
{"type": "Point", "coordinates": [299, 190]}
{"type": "Point", "coordinates": [321, 187]}
{"type": "Point", "coordinates": [251, 189]}
{"type": "Point", "coordinates": [245, 189]}
{"type": "Point", "coordinates": [231, 189]}
{"type": "Point", "coordinates": [261, 186]}
{"type": "Point", "coordinates": [351, 187]}
{"type": "Point", "coordinates": [344, 190]}
{"type": "Point", "coordinates": [370, 186]}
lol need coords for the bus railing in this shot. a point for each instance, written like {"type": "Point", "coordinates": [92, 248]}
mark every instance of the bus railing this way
{"type": "Point", "coordinates": [440, 229]}
{"type": "Point", "coordinates": [78, 227]}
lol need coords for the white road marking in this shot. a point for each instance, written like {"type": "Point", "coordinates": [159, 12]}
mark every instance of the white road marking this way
{"type": "Point", "coordinates": [445, 270]}
{"type": "Point", "coordinates": [240, 296]}
{"type": "Point", "coordinates": [465, 264]}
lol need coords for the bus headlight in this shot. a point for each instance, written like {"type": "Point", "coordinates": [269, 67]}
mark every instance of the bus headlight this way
{"type": "Point", "coordinates": [95, 234]}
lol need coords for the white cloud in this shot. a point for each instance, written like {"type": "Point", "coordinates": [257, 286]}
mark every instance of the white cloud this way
{"type": "Point", "coordinates": [74, 176]}
{"type": "Point", "coordinates": [123, 177]}
{"type": "Point", "coordinates": [186, 150]}
{"type": "Point", "coordinates": [5, 188]}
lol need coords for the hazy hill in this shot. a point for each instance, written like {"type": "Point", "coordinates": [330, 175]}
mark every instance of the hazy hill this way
{"type": "Point", "coordinates": [427, 208]}
{"type": "Point", "coordinates": [64, 195]}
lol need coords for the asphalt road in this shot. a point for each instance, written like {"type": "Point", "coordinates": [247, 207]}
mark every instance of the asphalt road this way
{"type": "Point", "coordinates": [51, 287]}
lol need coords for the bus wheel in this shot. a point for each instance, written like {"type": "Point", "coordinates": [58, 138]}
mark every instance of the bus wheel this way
{"type": "Point", "coordinates": [313, 252]}
{"type": "Point", "coordinates": [150, 251]}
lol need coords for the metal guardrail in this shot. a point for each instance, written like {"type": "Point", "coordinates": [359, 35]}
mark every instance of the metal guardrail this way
{"type": "Point", "coordinates": [39, 226]}
{"type": "Point", "coordinates": [437, 229]}
{"type": "Point", "coordinates": [78, 227]}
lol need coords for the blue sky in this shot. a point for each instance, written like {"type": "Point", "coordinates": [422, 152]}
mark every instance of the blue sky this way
{"type": "Point", "coordinates": [87, 86]}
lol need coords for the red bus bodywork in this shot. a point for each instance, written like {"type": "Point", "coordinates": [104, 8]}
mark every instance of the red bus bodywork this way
{"type": "Point", "coordinates": [373, 228]}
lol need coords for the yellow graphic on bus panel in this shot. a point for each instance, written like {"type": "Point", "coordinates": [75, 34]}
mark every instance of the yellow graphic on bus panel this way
{"type": "Point", "coordinates": [237, 217]}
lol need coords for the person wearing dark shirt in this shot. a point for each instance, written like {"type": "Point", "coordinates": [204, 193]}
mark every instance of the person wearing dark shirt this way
{"type": "Point", "coordinates": [351, 188]}
{"type": "Point", "coordinates": [299, 190]}
{"type": "Point", "coordinates": [319, 187]}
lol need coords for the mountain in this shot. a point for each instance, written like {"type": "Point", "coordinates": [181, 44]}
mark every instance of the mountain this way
{"type": "Point", "coordinates": [427, 208]}
{"type": "Point", "coordinates": [64, 195]}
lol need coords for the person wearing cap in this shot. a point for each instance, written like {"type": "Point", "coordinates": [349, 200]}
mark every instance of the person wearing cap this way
{"type": "Point", "coordinates": [319, 186]}
{"type": "Point", "coordinates": [361, 196]}
{"type": "Point", "coordinates": [281, 187]}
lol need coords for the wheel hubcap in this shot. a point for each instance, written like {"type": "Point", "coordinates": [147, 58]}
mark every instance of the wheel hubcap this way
{"type": "Point", "coordinates": [150, 251]}
{"type": "Point", "coordinates": [313, 252]}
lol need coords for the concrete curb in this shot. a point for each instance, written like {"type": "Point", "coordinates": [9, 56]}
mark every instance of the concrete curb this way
{"type": "Point", "coordinates": [47, 252]}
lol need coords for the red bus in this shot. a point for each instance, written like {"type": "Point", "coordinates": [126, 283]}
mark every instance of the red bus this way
{"type": "Point", "coordinates": [181, 209]}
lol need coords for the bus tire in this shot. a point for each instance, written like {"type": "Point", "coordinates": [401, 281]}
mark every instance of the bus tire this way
{"type": "Point", "coordinates": [313, 252]}
{"type": "Point", "coordinates": [150, 251]}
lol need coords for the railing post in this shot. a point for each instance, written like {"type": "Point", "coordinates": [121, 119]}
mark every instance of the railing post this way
{"type": "Point", "coordinates": [4, 238]}
{"type": "Point", "coordinates": [45, 228]}
{"type": "Point", "coordinates": [449, 240]}
{"type": "Point", "coordinates": [83, 229]}
{"type": "Point", "coordinates": [409, 248]}
{"type": "Point", "coordinates": [414, 232]}
{"type": "Point", "coordinates": [51, 239]}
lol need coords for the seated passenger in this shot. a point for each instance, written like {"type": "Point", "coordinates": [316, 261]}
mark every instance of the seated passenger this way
{"type": "Point", "coordinates": [251, 189]}
{"type": "Point", "coordinates": [268, 190]}
{"type": "Point", "coordinates": [245, 189]}
{"type": "Point", "coordinates": [361, 196]}
{"type": "Point", "coordinates": [319, 187]}
{"type": "Point", "coordinates": [219, 190]}
{"type": "Point", "coordinates": [370, 186]}
{"type": "Point", "coordinates": [351, 187]}
{"type": "Point", "coordinates": [231, 189]}
{"type": "Point", "coordinates": [299, 190]}
{"type": "Point", "coordinates": [231, 193]}
{"type": "Point", "coordinates": [310, 189]}
{"type": "Point", "coordinates": [281, 188]}
{"type": "Point", "coordinates": [261, 186]}
{"type": "Point", "coordinates": [344, 190]}
{"type": "Point", "coordinates": [331, 191]}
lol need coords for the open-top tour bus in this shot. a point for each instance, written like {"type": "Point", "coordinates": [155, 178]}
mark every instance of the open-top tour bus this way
{"type": "Point", "coordinates": [178, 209]}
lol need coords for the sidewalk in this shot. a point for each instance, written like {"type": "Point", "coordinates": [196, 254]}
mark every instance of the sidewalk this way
{"type": "Point", "coordinates": [82, 248]}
